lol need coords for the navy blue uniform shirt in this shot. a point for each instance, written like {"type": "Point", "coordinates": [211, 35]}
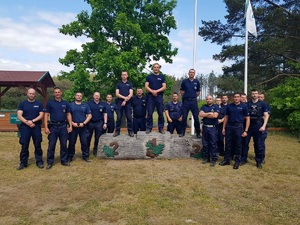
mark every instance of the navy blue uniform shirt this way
{"type": "Point", "coordinates": [222, 111]}
{"type": "Point", "coordinates": [97, 110]}
{"type": "Point", "coordinates": [256, 110]}
{"type": "Point", "coordinates": [110, 109]}
{"type": "Point", "coordinates": [156, 82]}
{"type": "Point", "coordinates": [79, 112]}
{"type": "Point", "coordinates": [236, 113]}
{"type": "Point", "coordinates": [139, 106]}
{"type": "Point", "coordinates": [58, 110]}
{"type": "Point", "coordinates": [190, 88]}
{"type": "Point", "coordinates": [31, 110]}
{"type": "Point", "coordinates": [124, 88]}
{"type": "Point", "coordinates": [175, 110]}
{"type": "Point", "coordinates": [213, 108]}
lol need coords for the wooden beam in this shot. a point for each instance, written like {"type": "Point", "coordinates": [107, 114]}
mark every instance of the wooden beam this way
{"type": "Point", "coordinates": [4, 91]}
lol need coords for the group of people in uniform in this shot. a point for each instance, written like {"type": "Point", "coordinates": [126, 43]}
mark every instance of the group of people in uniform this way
{"type": "Point", "coordinates": [237, 122]}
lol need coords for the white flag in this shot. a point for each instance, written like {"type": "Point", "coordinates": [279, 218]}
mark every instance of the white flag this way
{"type": "Point", "coordinates": [250, 21]}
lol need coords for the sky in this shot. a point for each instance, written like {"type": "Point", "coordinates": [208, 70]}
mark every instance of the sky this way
{"type": "Point", "coordinates": [30, 40]}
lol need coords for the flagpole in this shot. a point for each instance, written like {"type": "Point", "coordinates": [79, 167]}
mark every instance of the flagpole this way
{"type": "Point", "coordinates": [194, 54]}
{"type": "Point", "coordinates": [250, 27]}
{"type": "Point", "coordinates": [246, 62]}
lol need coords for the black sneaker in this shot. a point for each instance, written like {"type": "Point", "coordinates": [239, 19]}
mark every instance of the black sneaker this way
{"type": "Point", "coordinates": [65, 164]}
{"type": "Point", "coordinates": [161, 131]}
{"type": "Point", "coordinates": [224, 163]}
{"type": "Point", "coordinates": [243, 163]}
{"type": "Point", "coordinates": [49, 166]}
{"type": "Point", "coordinates": [213, 163]}
{"type": "Point", "coordinates": [95, 152]}
{"type": "Point", "coordinates": [116, 134]}
{"type": "Point", "coordinates": [20, 167]}
{"type": "Point", "coordinates": [130, 134]}
{"type": "Point", "coordinates": [148, 131]}
{"type": "Point", "coordinates": [181, 135]}
{"type": "Point", "coordinates": [236, 165]}
{"type": "Point", "coordinates": [204, 160]}
{"type": "Point", "coordinates": [41, 166]}
{"type": "Point", "coordinates": [87, 160]}
{"type": "Point", "coordinates": [259, 166]}
{"type": "Point", "coordinates": [198, 135]}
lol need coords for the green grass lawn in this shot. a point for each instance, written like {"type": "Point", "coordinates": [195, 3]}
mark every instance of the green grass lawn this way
{"type": "Point", "coordinates": [177, 191]}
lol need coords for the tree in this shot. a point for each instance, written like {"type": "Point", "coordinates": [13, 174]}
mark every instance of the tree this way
{"type": "Point", "coordinates": [122, 35]}
{"type": "Point", "coordinates": [273, 55]}
{"type": "Point", "coordinates": [286, 102]}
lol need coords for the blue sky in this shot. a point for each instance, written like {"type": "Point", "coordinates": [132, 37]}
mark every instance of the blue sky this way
{"type": "Point", "coordinates": [29, 37]}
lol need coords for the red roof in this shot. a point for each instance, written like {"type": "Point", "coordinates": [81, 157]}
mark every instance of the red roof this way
{"type": "Point", "coordinates": [26, 78]}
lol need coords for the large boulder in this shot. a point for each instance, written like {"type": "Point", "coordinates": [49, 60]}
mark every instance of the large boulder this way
{"type": "Point", "coordinates": [146, 146]}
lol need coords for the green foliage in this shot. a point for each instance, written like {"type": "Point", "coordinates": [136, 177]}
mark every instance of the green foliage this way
{"type": "Point", "coordinates": [272, 55]}
{"type": "Point", "coordinates": [286, 102]}
{"type": "Point", "coordinates": [123, 35]}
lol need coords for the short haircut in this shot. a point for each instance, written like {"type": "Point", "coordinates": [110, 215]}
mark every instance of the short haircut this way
{"type": "Point", "coordinates": [56, 88]}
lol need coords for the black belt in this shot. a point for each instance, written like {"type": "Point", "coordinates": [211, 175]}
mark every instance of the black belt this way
{"type": "Point", "coordinates": [139, 117]}
{"type": "Point", "coordinates": [235, 124]}
{"type": "Point", "coordinates": [58, 123]}
{"type": "Point", "coordinates": [190, 99]}
{"type": "Point", "coordinates": [255, 121]}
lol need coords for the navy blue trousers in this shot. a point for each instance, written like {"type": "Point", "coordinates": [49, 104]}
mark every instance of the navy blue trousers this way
{"type": "Point", "coordinates": [128, 113]}
{"type": "Point", "coordinates": [157, 102]}
{"type": "Point", "coordinates": [220, 142]}
{"type": "Point", "coordinates": [110, 126]}
{"type": "Point", "coordinates": [209, 142]}
{"type": "Point", "coordinates": [97, 128]}
{"type": "Point", "coordinates": [258, 139]}
{"type": "Point", "coordinates": [233, 142]}
{"type": "Point", "coordinates": [26, 134]}
{"type": "Point", "coordinates": [61, 133]}
{"type": "Point", "coordinates": [193, 106]}
{"type": "Point", "coordinates": [139, 124]}
{"type": "Point", "coordinates": [175, 125]}
{"type": "Point", "coordinates": [83, 136]}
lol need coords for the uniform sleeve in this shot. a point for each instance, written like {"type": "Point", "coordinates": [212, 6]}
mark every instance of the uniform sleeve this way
{"type": "Point", "coordinates": [182, 86]}
{"type": "Point", "coordinates": [47, 109]}
{"type": "Point", "coordinates": [217, 109]}
{"type": "Point", "coordinates": [265, 108]}
{"type": "Point", "coordinates": [148, 78]}
{"type": "Point", "coordinates": [163, 80]}
{"type": "Point", "coordinates": [198, 86]}
{"type": "Point", "coordinates": [68, 109]}
{"type": "Point", "coordinates": [131, 86]}
{"type": "Point", "coordinates": [88, 109]}
{"type": "Point", "coordinates": [246, 111]}
{"type": "Point", "coordinates": [21, 106]}
{"type": "Point", "coordinates": [118, 86]}
{"type": "Point", "coordinates": [41, 107]}
{"type": "Point", "coordinates": [167, 107]}
{"type": "Point", "coordinates": [202, 108]}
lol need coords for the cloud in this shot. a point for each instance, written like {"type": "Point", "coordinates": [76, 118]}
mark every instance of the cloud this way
{"type": "Point", "coordinates": [56, 18]}
{"type": "Point", "coordinates": [54, 67]}
{"type": "Point", "coordinates": [38, 38]}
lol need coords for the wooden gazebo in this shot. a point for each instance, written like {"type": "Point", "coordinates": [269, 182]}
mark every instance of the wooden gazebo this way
{"type": "Point", "coordinates": [39, 80]}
